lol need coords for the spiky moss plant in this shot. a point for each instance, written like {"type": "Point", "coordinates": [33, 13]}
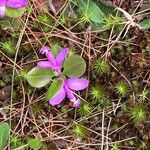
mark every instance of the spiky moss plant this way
{"type": "Point", "coordinates": [138, 113]}
{"type": "Point", "coordinates": [8, 47]}
{"type": "Point", "coordinates": [142, 146]}
{"type": "Point", "coordinates": [69, 21]}
{"type": "Point", "coordinates": [101, 66]}
{"type": "Point", "coordinates": [23, 73]}
{"type": "Point", "coordinates": [114, 147]}
{"type": "Point", "coordinates": [45, 20]}
{"type": "Point", "coordinates": [15, 141]}
{"type": "Point", "coordinates": [135, 85]}
{"type": "Point", "coordinates": [2, 83]}
{"type": "Point", "coordinates": [143, 96]}
{"type": "Point", "coordinates": [110, 21]}
{"type": "Point", "coordinates": [98, 96]}
{"type": "Point", "coordinates": [79, 130]}
{"type": "Point", "coordinates": [63, 19]}
{"type": "Point", "coordinates": [104, 102]}
{"type": "Point", "coordinates": [85, 109]}
{"type": "Point", "coordinates": [97, 92]}
{"type": "Point", "coordinates": [85, 17]}
{"type": "Point", "coordinates": [122, 88]}
{"type": "Point", "coordinates": [131, 143]}
{"type": "Point", "coordinates": [71, 52]}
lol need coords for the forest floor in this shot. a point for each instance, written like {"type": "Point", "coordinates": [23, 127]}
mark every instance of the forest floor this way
{"type": "Point", "coordinates": [115, 108]}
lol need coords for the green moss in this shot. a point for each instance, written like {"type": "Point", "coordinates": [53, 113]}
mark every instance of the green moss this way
{"type": "Point", "coordinates": [15, 141]}
{"type": "Point", "coordinates": [138, 113]}
{"type": "Point", "coordinates": [101, 66]}
{"type": "Point", "coordinates": [79, 130]}
{"type": "Point", "coordinates": [121, 88]}
{"type": "Point", "coordinates": [45, 18]}
{"type": "Point", "coordinates": [8, 47]}
{"type": "Point", "coordinates": [111, 21]}
{"type": "Point", "coordinates": [85, 109]}
{"type": "Point", "coordinates": [97, 92]}
{"type": "Point", "coordinates": [143, 96]}
{"type": "Point", "coordinates": [114, 147]}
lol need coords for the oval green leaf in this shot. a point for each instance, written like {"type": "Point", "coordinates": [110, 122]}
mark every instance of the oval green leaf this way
{"type": "Point", "coordinates": [39, 77]}
{"type": "Point", "coordinates": [35, 144]}
{"type": "Point", "coordinates": [4, 134]}
{"type": "Point", "coordinates": [145, 24]}
{"type": "Point", "coordinates": [54, 88]}
{"type": "Point", "coordinates": [14, 13]}
{"type": "Point", "coordinates": [90, 8]}
{"type": "Point", "coordinates": [74, 66]}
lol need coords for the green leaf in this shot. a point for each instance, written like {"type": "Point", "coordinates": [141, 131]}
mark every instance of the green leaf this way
{"type": "Point", "coordinates": [74, 66]}
{"type": "Point", "coordinates": [145, 24]}
{"type": "Point", "coordinates": [39, 77]}
{"type": "Point", "coordinates": [14, 13]}
{"type": "Point", "coordinates": [96, 26]}
{"type": "Point", "coordinates": [4, 134]}
{"type": "Point", "coordinates": [90, 9]}
{"type": "Point", "coordinates": [106, 7]}
{"type": "Point", "coordinates": [54, 88]}
{"type": "Point", "coordinates": [35, 144]}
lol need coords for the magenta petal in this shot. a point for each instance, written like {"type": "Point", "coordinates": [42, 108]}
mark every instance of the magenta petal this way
{"type": "Point", "coordinates": [77, 84]}
{"type": "Point", "coordinates": [2, 3]}
{"type": "Point", "coordinates": [45, 64]}
{"type": "Point", "coordinates": [58, 98]}
{"type": "Point", "coordinates": [69, 93]}
{"type": "Point", "coordinates": [2, 11]}
{"type": "Point", "coordinates": [76, 104]}
{"type": "Point", "coordinates": [61, 56]}
{"type": "Point", "coordinates": [46, 50]}
{"type": "Point", "coordinates": [51, 58]}
{"type": "Point", "coordinates": [16, 3]}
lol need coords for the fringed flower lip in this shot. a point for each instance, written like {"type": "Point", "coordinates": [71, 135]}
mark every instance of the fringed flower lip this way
{"type": "Point", "coordinates": [53, 63]}
{"type": "Point", "coordinates": [68, 86]}
{"type": "Point", "coordinates": [12, 4]}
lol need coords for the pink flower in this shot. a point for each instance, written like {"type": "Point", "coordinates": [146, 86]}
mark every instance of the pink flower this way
{"type": "Point", "coordinates": [53, 63]}
{"type": "Point", "coordinates": [68, 86]}
{"type": "Point", "coordinates": [11, 3]}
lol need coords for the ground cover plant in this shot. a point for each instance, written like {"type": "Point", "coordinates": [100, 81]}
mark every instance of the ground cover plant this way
{"type": "Point", "coordinates": [74, 75]}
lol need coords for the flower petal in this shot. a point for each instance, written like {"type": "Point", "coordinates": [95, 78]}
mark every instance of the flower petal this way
{"type": "Point", "coordinates": [2, 11]}
{"type": "Point", "coordinates": [2, 3]}
{"type": "Point", "coordinates": [69, 92]}
{"type": "Point", "coordinates": [61, 56]}
{"type": "Point", "coordinates": [16, 3]}
{"type": "Point", "coordinates": [77, 84]}
{"type": "Point", "coordinates": [76, 104]}
{"type": "Point", "coordinates": [45, 64]}
{"type": "Point", "coordinates": [46, 50]}
{"type": "Point", "coordinates": [58, 98]}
